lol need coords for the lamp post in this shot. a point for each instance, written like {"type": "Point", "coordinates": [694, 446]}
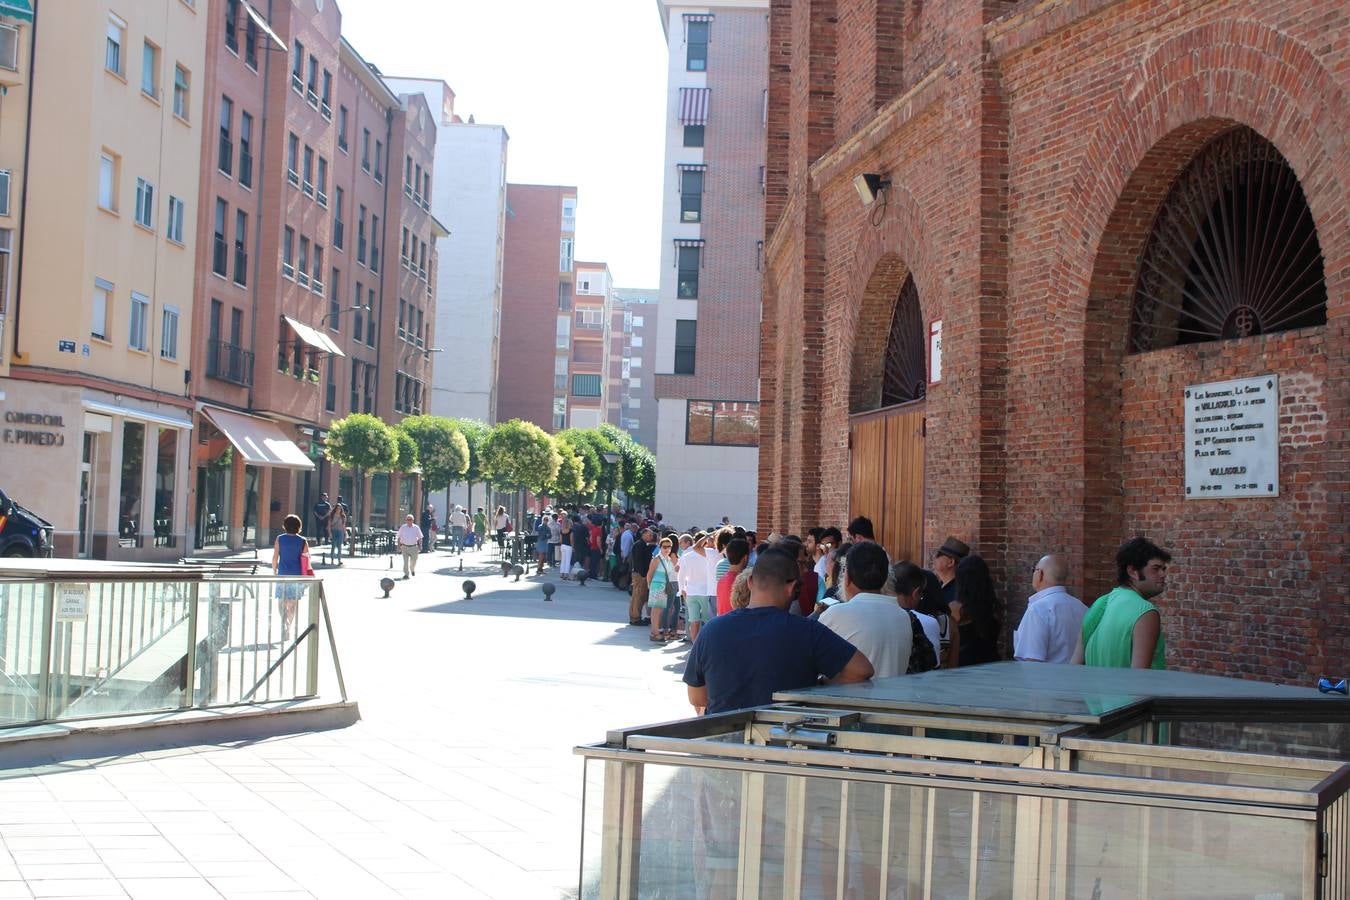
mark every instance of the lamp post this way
{"type": "Point", "coordinates": [610, 458]}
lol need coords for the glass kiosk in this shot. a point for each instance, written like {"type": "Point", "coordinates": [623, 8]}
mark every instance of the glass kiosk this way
{"type": "Point", "coordinates": [1022, 780]}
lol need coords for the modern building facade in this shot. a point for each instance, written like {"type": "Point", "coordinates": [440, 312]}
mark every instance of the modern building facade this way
{"type": "Point", "coordinates": [587, 391]}
{"type": "Point", "coordinates": [537, 299]}
{"type": "Point", "coordinates": [1094, 285]}
{"type": "Point", "coordinates": [98, 424]}
{"type": "Point", "coordinates": [632, 389]}
{"type": "Point", "coordinates": [470, 199]}
{"type": "Point", "coordinates": [705, 361]}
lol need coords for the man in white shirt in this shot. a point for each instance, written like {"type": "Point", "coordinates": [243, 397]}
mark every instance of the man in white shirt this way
{"type": "Point", "coordinates": [1054, 618]}
{"type": "Point", "coordinates": [459, 523]}
{"type": "Point", "coordinates": [409, 542]}
{"type": "Point", "coordinates": [870, 620]}
{"type": "Point", "coordinates": [694, 585]}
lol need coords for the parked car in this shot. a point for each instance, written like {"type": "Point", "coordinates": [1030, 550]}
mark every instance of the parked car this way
{"type": "Point", "coordinates": [22, 532]}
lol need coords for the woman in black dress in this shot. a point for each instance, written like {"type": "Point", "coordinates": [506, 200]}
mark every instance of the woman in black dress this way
{"type": "Point", "coordinates": [976, 612]}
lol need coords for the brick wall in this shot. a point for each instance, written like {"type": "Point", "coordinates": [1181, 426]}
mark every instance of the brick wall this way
{"type": "Point", "coordinates": [1030, 145]}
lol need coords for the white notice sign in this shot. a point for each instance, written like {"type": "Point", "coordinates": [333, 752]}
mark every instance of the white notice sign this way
{"type": "Point", "coordinates": [1233, 438]}
{"type": "Point", "coordinates": [72, 602]}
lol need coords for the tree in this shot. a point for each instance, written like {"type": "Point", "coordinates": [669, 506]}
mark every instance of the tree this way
{"type": "Point", "coordinates": [362, 443]}
{"type": "Point", "coordinates": [406, 459]}
{"type": "Point", "coordinates": [590, 444]}
{"type": "Point", "coordinates": [475, 432]}
{"type": "Point", "coordinates": [637, 468]}
{"type": "Point", "coordinates": [520, 454]}
{"type": "Point", "coordinates": [569, 480]}
{"type": "Point", "coordinates": [442, 450]}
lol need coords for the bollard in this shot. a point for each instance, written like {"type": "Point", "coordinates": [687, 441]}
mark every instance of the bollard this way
{"type": "Point", "coordinates": [469, 588]}
{"type": "Point", "coordinates": [548, 590]}
{"type": "Point", "coordinates": [387, 585]}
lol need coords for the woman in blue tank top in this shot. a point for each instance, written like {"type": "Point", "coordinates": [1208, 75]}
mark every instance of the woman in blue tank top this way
{"type": "Point", "coordinates": [290, 556]}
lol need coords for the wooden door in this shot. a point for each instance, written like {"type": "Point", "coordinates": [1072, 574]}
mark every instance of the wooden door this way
{"type": "Point", "coordinates": [886, 478]}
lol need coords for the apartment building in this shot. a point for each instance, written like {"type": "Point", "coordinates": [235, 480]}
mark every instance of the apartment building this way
{"type": "Point", "coordinates": [469, 197]}
{"type": "Point", "coordinates": [588, 358]}
{"type": "Point", "coordinates": [96, 401]}
{"type": "Point", "coordinates": [706, 360]}
{"type": "Point", "coordinates": [632, 390]}
{"type": "Point", "coordinates": [537, 300]}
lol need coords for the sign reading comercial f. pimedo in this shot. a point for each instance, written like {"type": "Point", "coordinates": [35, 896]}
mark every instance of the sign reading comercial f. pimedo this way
{"type": "Point", "coordinates": [1233, 438]}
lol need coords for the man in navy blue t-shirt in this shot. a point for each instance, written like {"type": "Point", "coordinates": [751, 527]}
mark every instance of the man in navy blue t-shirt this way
{"type": "Point", "coordinates": [741, 658]}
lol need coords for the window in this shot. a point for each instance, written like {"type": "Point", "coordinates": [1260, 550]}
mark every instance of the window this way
{"type": "Point", "coordinates": [403, 246]}
{"type": "Point", "coordinates": [251, 43]}
{"type": "Point", "coordinates": [370, 319]}
{"type": "Point", "coordinates": [108, 166]}
{"type": "Point", "coordinates": [691, 195]}
{"type": "Point", "coordinates": [696, 43]}
{"type": "Point", "coordinates": [129, 523]}
{"type": "Point", "coordinates": [334, 302]}
{"type": "Point", "coordinates": [356, 380]}
{"type": "Point", "coordinates": [103, 300]}
{"type": "Point", "coordinates": [569, 214]}
{"type": "Point", "coordinates": [240, 247]}
{"type": "Point", "coordinates": [168, 333]}
{"type": "Point", "coordinates": [302, 262]}
{"type": "Point", "coordinates": [9, 48]}
{"type": "Point", "coordinates": [182, 98]}
{"type": "Point", "coordinates": [686, 338]}
{"type": "Point", "coordinates": [232, 25]}
{"type": "Point", "coordinates": [308, 176]}
{"type": "Point", "coordinates": [316, 271]}
{"type": "Point", "coordinates": [365, 149]}
{"type": "Point", "coordinates": [287, 252]}
{"type": "Point", "coordinates": [359, 315]}
{"type": "Point", "coordinates": [312, 82]}
{"type": "Point", "coordinates": [564, 332]}
{"type": "Point", "coordinates": [173, 229]}
{"type": "Point", "coordinates": [342, 129]}
{"type": "Point", "coordinates": [637, 342]}
{"type": "Point", "coordinates": [379, 161]}
{"type": "Point", "coordinates": [145, 203]}
{"type": "Point", "coordinates": [140, 319]}
{"type": "Point", "coordinates": [293, 159]}
{"type": "Point", "coordinates": [327, 97]}
{"type": "Point", "coordinates": [166, 481]}
{"type": "Point", "coordinates": [297, 66]}
{"type": "Point", "coordinates": [374, 243]}
{"type": "Point", "coordinates": [635, 384]}
{"type": "Point", "coordinates": [585, 385]}
{"type": "Point", "coordinates": [245, 150]}
{"type": "Point", "coordinates": [635, 362]}
{"type": "Point", "coordinates": [112, 52]}
{"type": "Point", "coordinates": [150, 70]}
{"type": "Point", "coordinates": [321, 191]}
{"type": "Point", "coordinates": [402, 315]}
{"type": "Point", "coordinates": [565, 255]}
{"type": "Point", "coordinates": [726, 423]}
{"type": "Point", "coordinates": [559, 413]}
{"type": "Point", "coordinates": [564, 295]}
{"type": "Point", "coordinates": [337, 217]}
{"type": "Point", "coordinates": [361, 236]}
{"type": "Point", "coordinates": [687, 264]}
{"type": "Point", "coordinates": [330, 385]}
{"type": "Point", "coordinates": [693, 135]}
{"type": "Point", "coordinates": [226, 153]}
{"type": "Point", "coordinates": [218, 245]}
{"type": "Point", "coordinates": [560, 373]}
{"type": "Point", "coordinates": [592, 319]}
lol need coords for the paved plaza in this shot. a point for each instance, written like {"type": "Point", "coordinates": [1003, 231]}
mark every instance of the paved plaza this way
{"type": "Point", "coordinates": [459, 781]}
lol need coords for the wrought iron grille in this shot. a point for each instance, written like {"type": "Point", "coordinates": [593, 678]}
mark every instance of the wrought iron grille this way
{"type": "Point", "coordinates": [1233, 251]}
{"type": "Point", "coordinates": [905, 378]}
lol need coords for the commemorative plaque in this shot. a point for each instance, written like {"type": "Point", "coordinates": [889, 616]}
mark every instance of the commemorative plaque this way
{"type": "Point", "coordinates": [1233, 438]}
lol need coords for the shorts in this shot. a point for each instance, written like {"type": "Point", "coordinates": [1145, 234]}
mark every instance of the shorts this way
{"type": "Point", "coordinates": [698, 608]}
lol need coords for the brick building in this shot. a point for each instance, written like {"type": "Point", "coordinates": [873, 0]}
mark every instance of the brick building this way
{"type": "Point", "coordinates": [588, 383]}
{"type": "Point", "coordinates": [1091, 208]}
{"type": "Point", "coordinates": [537, 294]}
{"type": "Point", "coordinates": [632, 390]}
{"type": "Point", "coordinates": [704, 364]}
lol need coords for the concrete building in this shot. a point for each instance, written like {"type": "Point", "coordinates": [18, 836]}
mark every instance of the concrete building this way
{"type": "Point", "coordinates": [537, 300]}
{"type": "Point", "coordinates": [705, 363]}
{"type": "Point", "coordinates": [632, 392]}
{"type": "Point", "coordinates": [588, 366]}
{"type": "Point", "coordinates": [1087, 223]}
{"type": "Point", "coordinates": [469, 197]}
{"type": "Point", "coordinates": [98, 419]}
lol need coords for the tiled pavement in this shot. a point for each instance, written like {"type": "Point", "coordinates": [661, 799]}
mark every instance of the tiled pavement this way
{"type": "Point", "coordinates": [458, 782]}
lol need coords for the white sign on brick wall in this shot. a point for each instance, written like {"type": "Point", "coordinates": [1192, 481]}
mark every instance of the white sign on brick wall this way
{"type": "Point", "coordinates": [1233, 438]}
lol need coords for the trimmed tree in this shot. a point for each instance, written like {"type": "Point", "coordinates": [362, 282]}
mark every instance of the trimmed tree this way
{"type": "Point", "coordinates": [475, 432]}
{"type": "Point", "coordinates": [569, 481]}
{"type": "Point", "coordinates": [520, 454]}
{"type": "Point", "coordinates": [362, 443]}
{"type": "Point", "coordinates": [589, 444]}
{"type": "Point", "coordinates": [442, 451]}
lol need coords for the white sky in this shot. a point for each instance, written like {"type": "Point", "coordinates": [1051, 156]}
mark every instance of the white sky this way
{"type": "Point", "coordinates": [580, 87]}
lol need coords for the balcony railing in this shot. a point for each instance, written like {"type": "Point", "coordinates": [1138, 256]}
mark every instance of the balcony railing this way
{"type": "Point", "coordinates": [229, 363]}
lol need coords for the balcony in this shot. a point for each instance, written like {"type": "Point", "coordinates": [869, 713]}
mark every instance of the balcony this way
{"type": "Point", "coordinates": [229, 362]}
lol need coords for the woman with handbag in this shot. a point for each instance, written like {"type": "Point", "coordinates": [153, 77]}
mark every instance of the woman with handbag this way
{"type": "Point", "coordinates": [663, 592]}
{"type": "Point", "coordinates": [290, 556]}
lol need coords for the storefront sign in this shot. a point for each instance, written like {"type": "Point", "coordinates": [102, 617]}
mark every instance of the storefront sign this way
{"type": "Point", "coordinates": [1233, 438]}
{"type": "Point", "coordinates": [39, 435]}
{"type": "Point", "coordinates": [935, 352]}
{"type": "Point", "coordinates": [72, 602]}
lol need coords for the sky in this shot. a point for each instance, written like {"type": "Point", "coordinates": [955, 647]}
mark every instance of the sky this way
{"type": "Point", "coordinates": [580, 88]}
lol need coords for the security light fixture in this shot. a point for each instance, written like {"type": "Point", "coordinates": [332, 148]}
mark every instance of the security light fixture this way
{"type": "Point", "coordinates": [610, 457]}
{"type": "Point", "coordinates": [869, 185]}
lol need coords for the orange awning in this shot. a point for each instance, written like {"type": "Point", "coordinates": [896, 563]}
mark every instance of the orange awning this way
{"type": "Point", "coordinates": [259, 441]}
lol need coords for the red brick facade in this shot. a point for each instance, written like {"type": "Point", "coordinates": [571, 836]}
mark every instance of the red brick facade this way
{"type": "Point", "coordinates": [1030, 145]}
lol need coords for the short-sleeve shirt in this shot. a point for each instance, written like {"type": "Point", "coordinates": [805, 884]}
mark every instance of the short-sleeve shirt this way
{"type": "Point", "coordinates": [724, 586]}
{"type": "Point", "coordinates": [1050, 627]}
{"type": "Point", "coordinates": [1108, 630]}
{"type": "Point", "coordinates": [876, 625]}
{"type": "Point", "coordinates": [747, 654]}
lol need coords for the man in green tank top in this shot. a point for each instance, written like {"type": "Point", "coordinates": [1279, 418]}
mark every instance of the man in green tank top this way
{"type": "Point", "coordinates": [1123, 629]}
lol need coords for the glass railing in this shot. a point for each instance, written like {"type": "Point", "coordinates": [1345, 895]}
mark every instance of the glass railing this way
{"type": "Point", "coordinates": [84, 641]}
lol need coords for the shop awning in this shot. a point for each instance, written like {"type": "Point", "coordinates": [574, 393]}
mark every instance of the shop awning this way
{"type": "Point", "coordinates": [138, 415]}
{"type": "Point", "coordinates": [260, 22]}
{"type": "Point", "coordinates": [259, 441]}
{"type": "Point", "coordinates": [17, 9]}
{"type": "Point", "coordinates": [313, 337]}
{"type": "Point", "coordinates": [694, 106]}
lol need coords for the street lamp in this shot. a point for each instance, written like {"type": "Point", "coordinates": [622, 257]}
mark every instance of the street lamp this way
{"type": "Point", "coordinates": [610, 458]}
{"type": "Point", "coordinates": [324, 318]}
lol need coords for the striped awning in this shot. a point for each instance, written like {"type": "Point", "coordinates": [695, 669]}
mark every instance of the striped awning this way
{"type": "Point", "coordinates": [17, 9]}
{"type": "Point", "coordinates": [692, 167]}
{"type": "Point", "coordinates": [694, 106]}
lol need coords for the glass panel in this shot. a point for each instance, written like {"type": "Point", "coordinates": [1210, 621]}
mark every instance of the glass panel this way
{"type": "Point", "coordinates": [21, 616]}
{"type": "Point", "coordinates": [592, 830]}
{"type": "Point", "coordinates": [251, 476]}
{"type": "Point", "coordinates": [166, 468]}
{"type": "Point", "coordinates": [691, 831]}
{"type": "Point", "coordinates": [133, 462]}
{"type": "Point", "coordinates": [379, 500]}
{"type": "Point", "coordinates": [243, 627]}
{"type": "Point", "coordinates": [213, 502]}
{"type": "Point", "coordinates": [405, 497]}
